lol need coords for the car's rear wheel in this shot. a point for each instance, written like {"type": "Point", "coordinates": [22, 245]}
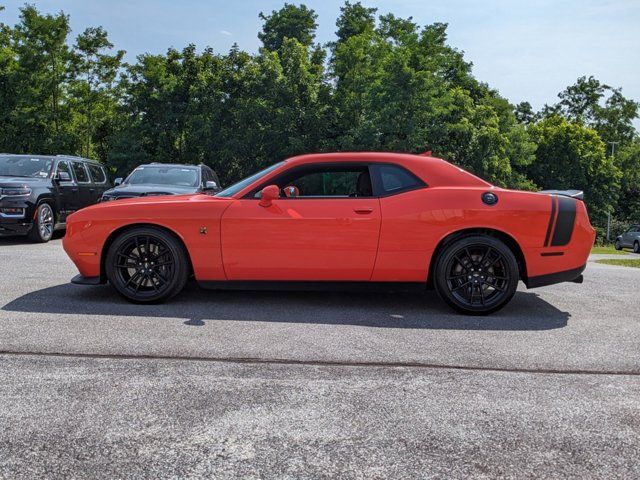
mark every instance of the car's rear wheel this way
{"type": "Point", "coordinates": [617, 245]}
{"type": "Point", "coordinates": [147, 265]}
{"type": "Point", "coordinates": [636, 247]}
{"type": "Point", "coordinates": [43, 223]}
{"type": "Point", "coordinates": [476, 274]}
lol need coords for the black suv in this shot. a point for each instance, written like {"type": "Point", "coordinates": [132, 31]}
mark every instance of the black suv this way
{"type": "Point", "coordinates": [164, 179]}
{"type": "Point", "coordinates": [38, 192]}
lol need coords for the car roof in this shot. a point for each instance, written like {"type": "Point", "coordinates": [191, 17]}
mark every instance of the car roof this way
{"type": "Point", "coordinates": [53, 157]}
{"type": "Point", "coordinates": [160, 164]}
{"type": "Point", "coordinates": [432, 170]}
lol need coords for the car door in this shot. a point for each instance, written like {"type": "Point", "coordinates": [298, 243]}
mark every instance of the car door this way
{"type": "Point", "coordinates": [86, 190]}
{"type": "Point", "coordinates": [68, 193]}
{"type": "Point", "coordinates": [321, 228]}
{"type": "Point", "coordinates": [627, 237]}
{"type": "Point", "coordinates": [99, 181]}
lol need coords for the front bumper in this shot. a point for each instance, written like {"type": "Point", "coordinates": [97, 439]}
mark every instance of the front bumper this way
{"type": "Point", "coordinates": [80, 280]}
{"type": "Point", "coordinates": [14, 226]}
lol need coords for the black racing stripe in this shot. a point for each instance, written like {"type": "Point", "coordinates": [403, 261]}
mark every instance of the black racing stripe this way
{"type": "Point", "coordinates": [550, 226]}
{"type": "Point", "coordinates": [564, 224]}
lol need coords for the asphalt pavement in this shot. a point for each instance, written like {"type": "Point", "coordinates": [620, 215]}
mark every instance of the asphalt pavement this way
{"type": "Point", "coordinates": [308, 385]}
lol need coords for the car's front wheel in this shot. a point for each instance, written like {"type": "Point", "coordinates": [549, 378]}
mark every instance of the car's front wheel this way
{"type": "Point", "coordinates": [636, 247]}
{"type": "Point", "coordinates": [147, 264]}
{"type": "Point", "coordinates": [617, 245]}
{"type": "Point", "coordinates": [476, 275]}
{"type": "Point", "coordinates": [43, 223]}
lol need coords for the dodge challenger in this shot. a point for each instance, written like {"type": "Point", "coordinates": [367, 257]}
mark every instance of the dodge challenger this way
{"type": "Point", "coordinates": [336, 220]}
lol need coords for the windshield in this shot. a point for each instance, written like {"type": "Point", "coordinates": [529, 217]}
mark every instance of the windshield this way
{"type": "Point", "coordinates": [236, 187]}
{"type": "Point", "coordinates": [164, 175]}
{"type": "Point", "coordinates": [25, 166]}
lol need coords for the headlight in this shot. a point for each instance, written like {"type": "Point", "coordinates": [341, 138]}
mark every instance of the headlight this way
{"type": "Point", "coordinates": [15, 191]}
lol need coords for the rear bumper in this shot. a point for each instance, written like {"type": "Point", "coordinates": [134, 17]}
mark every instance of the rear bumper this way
{"type": "Point", "coordinates": [573, 275]}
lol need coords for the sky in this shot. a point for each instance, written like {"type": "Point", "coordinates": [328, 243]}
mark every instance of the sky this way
{"type": "Point", "coordinates": [528, 50]}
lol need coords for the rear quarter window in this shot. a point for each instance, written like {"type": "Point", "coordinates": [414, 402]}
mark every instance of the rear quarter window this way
{"type": "Point", "coordinates": [396, 179]}
{"type": "Point", "coordinates": [97, 173]}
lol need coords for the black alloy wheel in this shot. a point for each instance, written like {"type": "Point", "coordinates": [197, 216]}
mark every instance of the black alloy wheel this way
{"type": "Point", "coordinates": [43, 224]}
{"type": "Point", "coordinates": [476, 275]}
{"type": "Point", "coordinates": [636, 247]}
{"type": "Point", "coordinates": [147, 265]}
{"type": "Point", "coordinates": [617, 245]}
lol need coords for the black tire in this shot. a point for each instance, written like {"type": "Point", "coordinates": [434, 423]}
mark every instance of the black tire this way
{"type": "Point", "coordinates": [617, 245]}
{"type": "Point", "coordinates": [476, 275]}
{"type": "Point", "coordinates": [636, 247]}
{"type": "Point", "coordinates": [43, 224]}
{"type": "Point", "coordinates": [147, 265]}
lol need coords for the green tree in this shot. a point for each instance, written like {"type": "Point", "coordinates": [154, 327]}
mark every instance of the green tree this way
{"type": "Point", "coordinates": [572, 156]}
{"type": "Point", "coordinates": [290, 21]}
{"type": "Point", "coordinates": [41, 118]}
{"type": "Point", "coordinates": [93, 90]}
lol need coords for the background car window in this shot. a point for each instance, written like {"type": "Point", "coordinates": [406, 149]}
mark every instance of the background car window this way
{"type": "Point", "coordinates": [332, 183]}
{"type": "Point", "coordinates": [395, 179]}
{"type": "Point", "coordinates": [81, 172]}
{"type": "Point", "coordinates": [64, 167]}
{"type": "Point", "coordinates": [25, 166]}
{"type": "Point", "coordinates": [162, 175]}
{"type": "Point", "coordinates": [97, 174]}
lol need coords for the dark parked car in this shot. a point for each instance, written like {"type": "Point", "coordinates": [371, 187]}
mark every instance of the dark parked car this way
{"type": "Point", "coordinates": [38, 192]}
{"type": "Point", "coordinates": [164, 179]}
{"type": "Point", "coordinates": [629, 239]}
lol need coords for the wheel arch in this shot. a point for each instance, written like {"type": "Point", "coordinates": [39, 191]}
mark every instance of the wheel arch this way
{"type": "Point", "coordinates": [120, 230]}
{"type": "Point", "coordinates": [507, 239]}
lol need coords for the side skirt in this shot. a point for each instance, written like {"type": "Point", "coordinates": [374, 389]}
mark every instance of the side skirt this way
{"type": "Point", "coordinates": [313, 286]}
{"type": "Point", "coordinates": [574, 275]}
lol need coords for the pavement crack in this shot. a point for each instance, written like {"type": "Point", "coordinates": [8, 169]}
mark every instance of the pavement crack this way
{"type": "Point", "coordinates": [321, 363]}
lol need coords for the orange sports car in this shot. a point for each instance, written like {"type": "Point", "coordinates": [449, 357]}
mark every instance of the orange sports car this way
{"type": "Point", "coordinates": [336, 220]}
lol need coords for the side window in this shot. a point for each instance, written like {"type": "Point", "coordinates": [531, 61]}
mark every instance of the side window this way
{"type": "Point", "coordinates": [328, 182]}
{"type": "Point", "coordinates": [80, 172]}
{"type": "Point", "coordinates": [395, 179]}
{"type": "Point", "coordinates": [97, 173]}
{"type": "Point", "coordinates": [64, 167]}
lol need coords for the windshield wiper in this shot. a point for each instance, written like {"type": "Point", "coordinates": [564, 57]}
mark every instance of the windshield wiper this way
{"type": "Point", "coordinates": [21, 176]}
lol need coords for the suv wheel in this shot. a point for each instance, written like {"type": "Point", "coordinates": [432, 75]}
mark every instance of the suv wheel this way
{"type": "Point", "coordinates": [476, 275]}
{"type": "Point", "coordinates": [636, 247]}
{"type": "Point", "coordinates": [42, 229]}
{"type": "Point", "coordinates": [147, 265]}
{"type": "Point", "coordinates": [617, 245]}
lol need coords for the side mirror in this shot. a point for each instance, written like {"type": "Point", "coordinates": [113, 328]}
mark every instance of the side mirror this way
{"type": "Point", "coordinates": [117, 181]}
{"type": "Point", "coordinates": [210, 185]}
{"type": "Point", "coordinates": [268, 195]}
{"type": "Point", "coordinates": [63, 177]}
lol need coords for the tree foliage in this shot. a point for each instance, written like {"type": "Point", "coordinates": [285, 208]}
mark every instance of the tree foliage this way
{"type": "Point", "coordinates": [385, 83]}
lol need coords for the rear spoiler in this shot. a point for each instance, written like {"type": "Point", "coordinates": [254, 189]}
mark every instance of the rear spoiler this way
{"type": "Point", "coordinates": [577, 194]}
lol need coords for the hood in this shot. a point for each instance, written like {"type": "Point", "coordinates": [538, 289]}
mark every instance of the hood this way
{"type": "Point", "coordinates": [6, 181]}
{"type": "Point", "coordinates": [126, 190]}
{"type": "Point", "coordinates": [129, 191]}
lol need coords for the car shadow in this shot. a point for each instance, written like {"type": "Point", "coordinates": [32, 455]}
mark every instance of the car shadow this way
{"type": "Point", "coordinates": [527, 311]}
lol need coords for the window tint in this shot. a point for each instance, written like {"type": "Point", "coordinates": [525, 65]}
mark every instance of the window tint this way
{"type": "Point", "coordinates": [64, 167]}
{"type": "Point", "coordinates": [97, 173]}
{"type": "Point", "coordinates": [396, 179]}
{"type": "Point", "coordinates": [330, 182]}
{"type": "Point", "coordinates": [81, 172]}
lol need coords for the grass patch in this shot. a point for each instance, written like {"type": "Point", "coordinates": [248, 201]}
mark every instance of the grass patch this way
{"type": "Point", "coordinates": [622, 262]}
{"type": "Point", "coordinates": [608, 250]}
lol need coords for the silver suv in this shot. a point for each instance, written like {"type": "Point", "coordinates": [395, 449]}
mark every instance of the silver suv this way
{"type": "Point", "coordinates": [629, 239]}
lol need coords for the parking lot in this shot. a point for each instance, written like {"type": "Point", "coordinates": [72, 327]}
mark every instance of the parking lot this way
{"type": "Point", "coordinates": [295, 384]}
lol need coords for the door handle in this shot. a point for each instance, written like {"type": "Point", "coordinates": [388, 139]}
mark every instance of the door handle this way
{"type": "Point", "coordinates": [363, 210]}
